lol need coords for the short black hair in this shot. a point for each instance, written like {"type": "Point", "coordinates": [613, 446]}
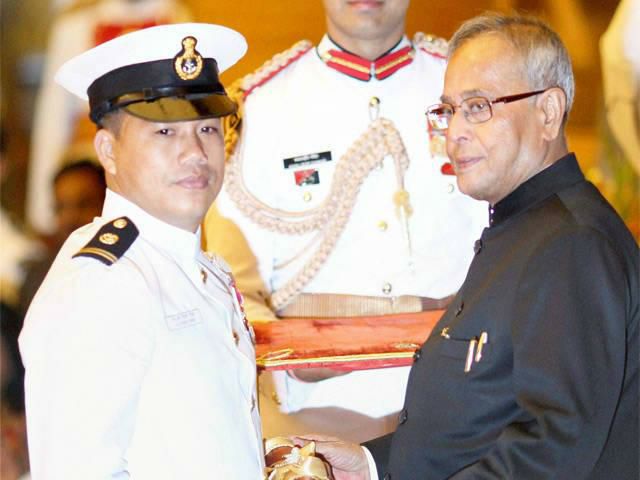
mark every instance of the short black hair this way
{"type": "Point", "coordinates": [112, 121]}
{"type": "Point", "coordinates": [82, 165]}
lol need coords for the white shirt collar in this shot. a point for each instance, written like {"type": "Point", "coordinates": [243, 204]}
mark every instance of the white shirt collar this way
{"type": "Point", "coordinates": [327, 44]}
{"type": "Point", "coordinates": [179, 243]}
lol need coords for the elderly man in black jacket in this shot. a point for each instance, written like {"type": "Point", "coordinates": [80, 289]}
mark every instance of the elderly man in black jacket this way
{"type": "Point", "coordinates": [532, 373]}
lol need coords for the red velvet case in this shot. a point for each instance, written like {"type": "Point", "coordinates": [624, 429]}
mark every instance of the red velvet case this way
{"type": "Point", "coordinates": [353, 343]}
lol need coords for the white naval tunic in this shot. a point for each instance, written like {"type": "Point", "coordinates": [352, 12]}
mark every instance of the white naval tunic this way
{"type": "Point", "coordinates": [142, 369]}
{"type": "Point", "coordinates": [310, 108]}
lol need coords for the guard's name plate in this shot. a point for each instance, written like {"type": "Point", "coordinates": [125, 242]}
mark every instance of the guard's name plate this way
{"type": "Point", "coordinates": [306, 160]}
{"type": "Point", "coordinates": [183, 319]}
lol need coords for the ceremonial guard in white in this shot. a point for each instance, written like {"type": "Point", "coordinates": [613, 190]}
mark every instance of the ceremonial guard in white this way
{"type": "Point", "coordinates": [349, 206]}
{"type": "Point", "coordinates": [140, 362]}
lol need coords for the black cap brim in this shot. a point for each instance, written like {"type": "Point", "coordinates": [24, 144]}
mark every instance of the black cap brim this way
{"type": "Point", "coordinates": [180, 109]}
{"type": "Point", "coordinates": [154, 91]}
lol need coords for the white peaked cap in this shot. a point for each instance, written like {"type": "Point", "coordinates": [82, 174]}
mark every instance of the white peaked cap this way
{"type": "Point", "coordinates": [155, 65]}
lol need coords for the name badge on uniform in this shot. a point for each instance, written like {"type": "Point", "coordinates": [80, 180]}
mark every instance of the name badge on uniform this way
{"type": "Point", "coordinates": [307, 177]}
{"type": "Point", "coordinates": [183, 319]}
{"type": "Point", "coordinates": [306, 160]}
{"type": "Point", "coordinates": [302, 174]}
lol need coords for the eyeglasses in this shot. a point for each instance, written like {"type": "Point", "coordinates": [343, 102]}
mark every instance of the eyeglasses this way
{"type": "Point", "coordinates": [474, 109]}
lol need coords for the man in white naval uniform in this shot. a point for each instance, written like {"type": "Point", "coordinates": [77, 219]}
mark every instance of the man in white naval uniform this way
{"type": "Point", "coordinates": [346, 202]}
{"type": "Point", "coordinates": [139, 360]}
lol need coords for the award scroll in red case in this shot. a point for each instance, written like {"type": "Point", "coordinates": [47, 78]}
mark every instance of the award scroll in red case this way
{"type": "Point", "coordinates": [352, 343]}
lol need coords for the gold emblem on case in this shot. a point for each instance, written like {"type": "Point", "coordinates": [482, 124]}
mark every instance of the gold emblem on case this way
{"type": "Point", "coordinates": [188, 63]}
{"type": "Point", "coordinates": [120, 223]}
{"type": "Point", "coordinates": [109, 238]}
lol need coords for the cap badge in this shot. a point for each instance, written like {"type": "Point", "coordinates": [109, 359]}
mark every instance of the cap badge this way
{"type": "Point", "coordinates": [188, 63]}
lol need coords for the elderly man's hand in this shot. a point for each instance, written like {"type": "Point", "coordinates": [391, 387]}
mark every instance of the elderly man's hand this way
{"type": "Point", "coordinates": [348, 460]}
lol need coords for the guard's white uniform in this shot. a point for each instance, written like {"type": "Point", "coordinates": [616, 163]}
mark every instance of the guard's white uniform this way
{"type": "Point", "coordinates": [146, 363]}
{"type": "Point", "coordinates": [310, 108]}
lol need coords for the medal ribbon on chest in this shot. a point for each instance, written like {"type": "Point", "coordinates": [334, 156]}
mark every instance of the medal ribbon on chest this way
{"type": "Point", "coordinates": [240, 300]}
{"type": "Point", "coordinates": [234, 291]}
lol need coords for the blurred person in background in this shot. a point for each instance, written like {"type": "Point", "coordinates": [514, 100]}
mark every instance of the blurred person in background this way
{"type": "Point", "coordinates": [14, 461]}
{"type": "Point", "coordinates": [16, 248]}
{"type": "Point", "coordinates": [79, 189]}
{"type": "Point", "coordinates": [617, 173]}
{"type": "Point", "coordinates": [620, 50]}
{"type": "Point", "coordinates": [60, 119]}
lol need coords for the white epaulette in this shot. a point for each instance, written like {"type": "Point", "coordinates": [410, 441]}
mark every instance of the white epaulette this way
{"type": "Point", "coordinates": [273, 66]}
{"type": "Point", "coordinates": [436, 46]}
{"type": "Point", "coordinates": [244, 86]}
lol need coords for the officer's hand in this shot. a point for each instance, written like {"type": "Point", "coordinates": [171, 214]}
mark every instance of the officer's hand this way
{"type": "Point", "coordinates": [347, 460]}
{"type": "Point", "coordinates": [315, 374]}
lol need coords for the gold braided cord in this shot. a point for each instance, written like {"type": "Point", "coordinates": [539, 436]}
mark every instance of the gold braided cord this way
{"type": "Point", "coordinates": [232, 123]}
{"type": "Point", "coordinates": [331, 216]}
{"type": "Point", "coordinates": [242, 87]}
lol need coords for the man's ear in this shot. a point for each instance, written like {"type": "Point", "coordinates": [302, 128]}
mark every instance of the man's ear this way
{"type": "Point", "coordinates": [104, 143]}
{"type": "Point", "coordinates": [552, 104]}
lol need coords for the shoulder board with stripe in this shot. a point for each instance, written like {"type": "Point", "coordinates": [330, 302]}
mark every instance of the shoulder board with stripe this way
{"type": "Point", "coordinates": [111, 242]}
{"type": "Point", "coordinates": [243, 87]}
{"type": "Point", "coordinates": [435, 46]}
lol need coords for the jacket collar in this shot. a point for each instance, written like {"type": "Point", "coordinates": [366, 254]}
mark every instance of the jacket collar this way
{"type": "Point", "coordinates": [348, 63]}
{"type": "Point", "coordinates": [179, 243]}
{"type": "Point", "coordinates": [560, 175]}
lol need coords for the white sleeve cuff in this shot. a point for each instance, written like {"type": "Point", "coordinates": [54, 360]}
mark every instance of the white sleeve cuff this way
{"type": "Point", "coordinates": [293, 394]}
{"type": "Point", "coordinates": [373, 471]}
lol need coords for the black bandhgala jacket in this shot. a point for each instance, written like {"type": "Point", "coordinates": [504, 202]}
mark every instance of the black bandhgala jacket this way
{"type": "Point", "coordinates": [554, 392]}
